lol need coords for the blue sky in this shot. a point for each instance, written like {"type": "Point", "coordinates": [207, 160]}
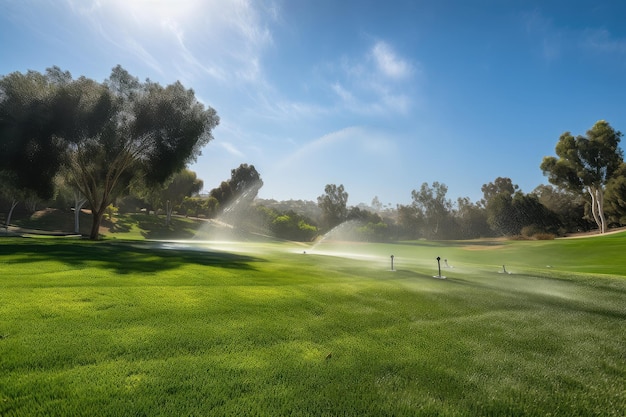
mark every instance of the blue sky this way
{"type": "Point", "coordinates": [380, 96]}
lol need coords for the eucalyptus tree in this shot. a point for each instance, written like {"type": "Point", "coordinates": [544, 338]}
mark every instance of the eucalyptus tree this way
{"type": "Point", "coordinates": [586, 164]}
{"type": "Point", "coordinates": [124, 128]}
{"type": "Point", "coordinates": [498, 202]}
{"type": "Point", "coordinates": [333, 204]}
{"type": "Point", "coordinates": [435, 208]}
{"type": "Point", "coordinates": [567, 205]}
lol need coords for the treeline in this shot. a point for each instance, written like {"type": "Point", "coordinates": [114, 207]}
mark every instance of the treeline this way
{"type": "Point", "coordinates": [123, 145]}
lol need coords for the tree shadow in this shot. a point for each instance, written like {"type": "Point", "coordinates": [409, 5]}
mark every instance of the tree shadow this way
{"type": "Point", "coordinates": [121, 257]}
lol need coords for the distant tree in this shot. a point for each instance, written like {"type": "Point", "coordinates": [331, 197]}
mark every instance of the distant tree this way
{"type": "Point", "coordinates": [435, 208]}
{"type": "Point", "coordinates": [236, 195]}
{"type": "Point", "coordinates": [471, 220]}
{"type": "Point", "coordinates": [530, 217]}
{"type": "Point", "coordinates": [501, 185]}
{"type": "Point", "coordinates": [498, 202]}
{"type": "Point", "coordinates": [333, 204]}
{"type": "Point", "coordinates": [586, 164]}
{"type": "Point", "coordinates": [567, 205]}
{"type": "Point", "coordinates": [172, 194]}
{"type": "Point", "coordinates": [292, 226]}
{"type": "Point", "coordinates": [223, 194]}
{"type": "Point", "coordinates": [245, 180]}
{"type": "Point", "coordinates": [409, 221]}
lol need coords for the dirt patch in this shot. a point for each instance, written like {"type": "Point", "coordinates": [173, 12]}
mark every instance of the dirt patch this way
{"type": "Point", "coordinates": [593, 233]}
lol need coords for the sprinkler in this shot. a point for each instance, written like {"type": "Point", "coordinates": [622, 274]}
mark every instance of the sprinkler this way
{"type": "Point", "coordinates": [392, 262]}
{"type": "Point", "coordinates": [439, 268]}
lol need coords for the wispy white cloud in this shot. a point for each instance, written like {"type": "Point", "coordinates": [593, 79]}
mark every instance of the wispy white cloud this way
{"type": "Point", "coordinates": [231, 149]}
{"type": "Point", "coordinates": [549, 38]}
{"type": "Point", "coordinates": [376, 83]}
{"type": "Point", "coordinates": [601, 40]}
{"type": "Point", "coordinates": [389, 63]}
{"type": "Point", "coordinates": [224, 39]}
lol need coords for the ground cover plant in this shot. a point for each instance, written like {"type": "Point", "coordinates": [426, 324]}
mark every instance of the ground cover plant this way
{"type": "Point", "coordinates": [120, 327]}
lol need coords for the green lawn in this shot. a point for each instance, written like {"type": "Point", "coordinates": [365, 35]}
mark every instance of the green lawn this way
{"type": "Point", "coordinates": [137, 328]}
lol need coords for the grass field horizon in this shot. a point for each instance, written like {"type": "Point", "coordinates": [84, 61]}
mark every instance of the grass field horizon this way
{"type": "Point", "coordinates": [204, 327]}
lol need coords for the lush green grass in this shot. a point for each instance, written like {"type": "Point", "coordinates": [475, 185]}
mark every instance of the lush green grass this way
{"type": "Point", "coordinates": [136, 328]}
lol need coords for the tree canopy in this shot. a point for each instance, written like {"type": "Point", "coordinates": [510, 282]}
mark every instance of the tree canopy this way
{"type": "Point", "coordinates": [104, 134]}
{"type": "Point", "coordinates": [586, 164]}
{"type": "Point", "coordinates": [333, 204]}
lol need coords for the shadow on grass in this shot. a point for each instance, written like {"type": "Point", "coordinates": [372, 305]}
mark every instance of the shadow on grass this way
{"type": "Point", "coordinates": [533, 295]}
{"type": "Point", "coordinates": [153, 227]}
{"type": "Point", "coordinates": [121, 257]}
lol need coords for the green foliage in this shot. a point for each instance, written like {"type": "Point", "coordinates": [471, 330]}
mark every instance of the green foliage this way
{"type": "Point", "coordinates": [288, 225]}
{"type": "Point", "coordinates": [587, 164]}
{"type": "Point", "coordinates": [434, 209]}
{"type": "Point", "coordinates": [98, 136]}
{"type": "Point", "coordinates": [30, 156]}
{"type": "Point", "coordinates": [334, 205]}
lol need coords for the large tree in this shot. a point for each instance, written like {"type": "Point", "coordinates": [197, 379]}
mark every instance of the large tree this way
{"type": "Point", "coordinates": [586, 164]}
{"type": "Point", "coordinates": [123, 129]}
{"type": "Point", "coordinates": [104, 133]}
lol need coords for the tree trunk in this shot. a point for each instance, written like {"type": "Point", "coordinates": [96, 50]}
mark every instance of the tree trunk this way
{"type": "Point", "coordinates": [600, 203]}
{"type": "Point", "coordinates": [597, 207]}
{"type": "Point", "coordinates": [168, 213]}
{"type": "Point", "coordinates": [95, 225]}
{"type": "Point", "coordinates": [78, 205]}
{"type": "Point", "coordinates": [13, 204]}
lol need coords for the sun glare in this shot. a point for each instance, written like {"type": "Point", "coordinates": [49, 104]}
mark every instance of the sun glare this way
{"type": "Point", "coordinates": [157, 12]}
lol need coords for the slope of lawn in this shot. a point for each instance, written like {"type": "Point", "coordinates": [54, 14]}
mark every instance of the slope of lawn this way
{"type": "Point", "coordinates": [120, 327]}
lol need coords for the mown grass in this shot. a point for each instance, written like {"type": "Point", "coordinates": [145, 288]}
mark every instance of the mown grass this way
{"type": "Point", "coordinates": [137, 328]}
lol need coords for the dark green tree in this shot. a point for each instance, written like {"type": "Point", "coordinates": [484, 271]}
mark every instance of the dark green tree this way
{"type": "Point", "coordinates": [334, 205]}
{"type": "Point", "coordinates": [567, 205]}
{"type": "Point", "coordinates": [616, 197]}
{"type": "Point", "coordinates": [471, 220]}
{"type": "Point", "coordinates": [498, 202]}
{"type": "Point", "coordinates": [435, 208]}
{"type": "Point", "coordinates": [126, 129]}
{"type": "Point", "coordinates": [30, 154]}
{"type": "Point", "coordinates": [585, 164]}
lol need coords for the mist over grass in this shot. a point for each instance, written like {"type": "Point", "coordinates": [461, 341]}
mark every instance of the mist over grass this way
{"type": "Point", "coordinates": [121, 327]}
